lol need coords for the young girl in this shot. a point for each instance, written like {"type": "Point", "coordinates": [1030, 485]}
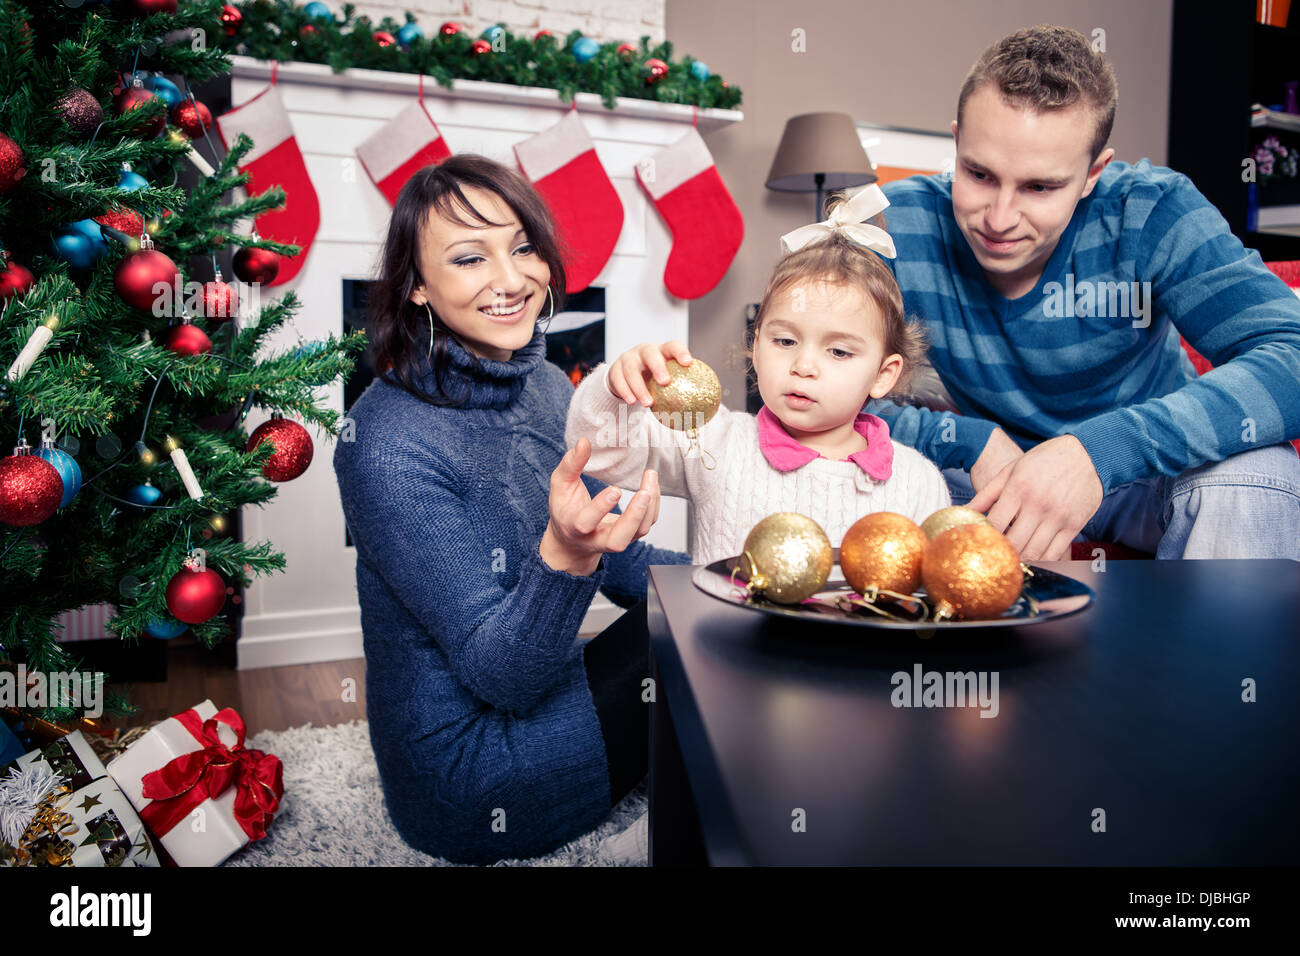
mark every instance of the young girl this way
{"type": "Point", "coordinates": [829, 336]}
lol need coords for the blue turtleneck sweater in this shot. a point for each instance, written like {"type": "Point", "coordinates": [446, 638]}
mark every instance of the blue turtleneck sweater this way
{"type": "Point", "coordinates": [487, 741]}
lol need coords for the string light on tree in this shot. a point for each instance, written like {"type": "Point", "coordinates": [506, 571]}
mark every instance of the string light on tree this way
{"type": "Point", "coordinates": [36, 343]}
{"type": "Point", "coordinates": [177, 455]}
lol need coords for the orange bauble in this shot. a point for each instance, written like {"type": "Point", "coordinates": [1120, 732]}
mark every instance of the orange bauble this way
{"type": "Point", "coordinates": [972, 572]}
{"type": "Point", "coordinates": [884, 551]}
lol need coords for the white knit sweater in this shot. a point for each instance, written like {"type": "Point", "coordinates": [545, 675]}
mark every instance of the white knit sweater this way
{"type": "Point", "coordinates": [742, 488]}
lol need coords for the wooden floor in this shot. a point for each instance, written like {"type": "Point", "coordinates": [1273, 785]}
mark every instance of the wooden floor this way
{"type": "Point", "coordinates": [268, 698]}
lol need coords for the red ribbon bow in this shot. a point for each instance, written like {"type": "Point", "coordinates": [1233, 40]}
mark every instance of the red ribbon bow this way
{"type": "Point", "coordinates": [185, 782]}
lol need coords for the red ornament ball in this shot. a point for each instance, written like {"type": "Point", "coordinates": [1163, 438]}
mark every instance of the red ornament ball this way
{"type": "Point", "coordinates": [15, 280]}
{"type": "Point", "coordinates": [658, 70]}
{"type": "Point", "coordinates": [231, 18]}
{"type": "Point", "coordinates": [124, 220]}
{"type": "Point", "coordinates": [144, 8]}
{"type": "Point", "coordinates": [11, 164]}
{"type": "Point", "coordinates": [480, 47]}
{"type": "Point", "coordinates": [131, 100]}
{"type": "Point", "coordinates": [81, 111]}
{"type": "Point", "coordinates": [256, 265]}
{"type": "Point", "coordinates": [186, 339]}
{"type": "Point", "coordinates": [138, 275]}
{"type": "Point", "coordinates": [625, 49]}
{"type": "Point", "coordinates": [30, 489]}
{"type": "Point", "coordinates": [384, 38]}
{"type": "Point", "coordinates": [220, 301]}
{"type": "Point", "coordinates": [543, 33]}
{"type": "Point", "coordinates": [193, 118]}
{"type": "Point", "coordinates": [195, 596]}
{"type": "Point", "coordinates": [293, 448]}
{"type": "Point", "coordinates": [309, 30]}
{"type": "Point", "coordinates": [449, 29]}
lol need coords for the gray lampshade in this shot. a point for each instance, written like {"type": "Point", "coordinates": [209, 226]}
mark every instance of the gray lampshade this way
{"type": "Point", "coordinates": [825, 143]}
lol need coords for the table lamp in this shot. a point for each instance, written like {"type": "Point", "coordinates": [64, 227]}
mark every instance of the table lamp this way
{"type": "Point", "coordinates": [820, 151]}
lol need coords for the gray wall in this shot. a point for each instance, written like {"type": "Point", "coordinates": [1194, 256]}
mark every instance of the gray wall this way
{"type": "Point", "coordinates": [898, 64]}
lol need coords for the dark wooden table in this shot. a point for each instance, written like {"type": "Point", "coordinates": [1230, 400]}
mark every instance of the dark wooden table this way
{"type": "Point", "coordinates": [1133, 707]}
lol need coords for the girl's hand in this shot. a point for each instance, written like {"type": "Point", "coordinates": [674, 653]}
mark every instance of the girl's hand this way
{"type": "Point", "coordinates": [630, 372]}
{"type": "Point", "coordinates": [581, 528]}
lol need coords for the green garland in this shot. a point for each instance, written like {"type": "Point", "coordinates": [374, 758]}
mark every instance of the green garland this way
{"type": "Point", "coordinates": [274, 30]}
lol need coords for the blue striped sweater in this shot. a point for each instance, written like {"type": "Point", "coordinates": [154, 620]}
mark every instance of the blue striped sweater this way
{"type": "Point", "coordinates": [1072, 355]}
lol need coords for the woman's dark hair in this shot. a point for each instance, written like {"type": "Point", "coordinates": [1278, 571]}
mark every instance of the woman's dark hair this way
{"type": "Point", "coordinates": [396, 325]}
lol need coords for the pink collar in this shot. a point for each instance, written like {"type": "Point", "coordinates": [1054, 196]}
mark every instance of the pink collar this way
{"type": "Point", "coordinates": [784, 453]}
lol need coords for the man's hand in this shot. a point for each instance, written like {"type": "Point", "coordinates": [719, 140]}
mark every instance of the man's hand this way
{"type": "Point", "coordinates": [999, 451]}
{"type": "Point", "coordinates": [1042, 499]}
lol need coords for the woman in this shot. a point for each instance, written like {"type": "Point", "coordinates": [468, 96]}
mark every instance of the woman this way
{"type": "Point", "coordinates": [479, 543]}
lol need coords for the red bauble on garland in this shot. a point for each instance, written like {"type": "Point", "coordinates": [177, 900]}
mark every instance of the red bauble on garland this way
{"type": "Point", "coordinates": [625, 49]}
{"type": "Point", "coordinates": [132, 99]}
{"type": "Point", "coordinates": [194, 595]}
{"type": "Point", "coordinates": [186, 339]}
{"type": "Point", "coordinates": [384, 38]}
{"type": "Point", "coordinates": [144, 8]}
{"type": "Point", "coordinates": [293, 447]}
{"type": "Point", "coordinates": [193, 118]}
{"type": "Point", "coordinates": [479, 47]}
{"type": "Point", "coordinates": [231, 18]}
{"type": "Point", "coordinates": [139, 273]}
{"type": "Point", "coordinates": [15, 279]}
{"type": "Point", "coordinates": [256, 265]}
{"type": "Point", "coordinates": [658, 70]}
{"type": "Point", "coordinates": [30, 488]}
{"type": "Point", "coordinates": [220, 301]}
{"type": "Point", "coordinates": [12, 169]}
{"type": "Point", "coordinates": [123, 219]}
{"type": "Point", "coordinates": [449, 29]}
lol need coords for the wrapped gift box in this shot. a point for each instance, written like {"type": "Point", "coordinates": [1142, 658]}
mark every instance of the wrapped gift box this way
{"type": "Point", "coordinates": [200, 792]}
{"type": "Point", "coordinates": [94, 824]}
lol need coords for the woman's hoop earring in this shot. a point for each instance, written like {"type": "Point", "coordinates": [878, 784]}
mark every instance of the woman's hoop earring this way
{"type": "Point", "coordinates": [551, 299]}
{"type": "Point", "coordinates": [430, 311]}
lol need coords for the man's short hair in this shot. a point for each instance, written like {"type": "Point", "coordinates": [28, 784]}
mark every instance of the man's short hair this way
{"type": "Point", "coordinates": [1048, 68]}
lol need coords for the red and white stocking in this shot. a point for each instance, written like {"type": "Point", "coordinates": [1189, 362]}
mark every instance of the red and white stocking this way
{"type": "Point", "coordinates": [561, 162]}
{"type": "Point", "coordinates": [707, 227]}
{"type": "Point", "coordinates": [276, 160]}
{"type": "Point", "coordinates": [405, 144]}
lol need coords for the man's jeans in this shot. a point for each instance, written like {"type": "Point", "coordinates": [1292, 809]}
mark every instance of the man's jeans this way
{"type": "Point", "coordinates": [1246, 506]}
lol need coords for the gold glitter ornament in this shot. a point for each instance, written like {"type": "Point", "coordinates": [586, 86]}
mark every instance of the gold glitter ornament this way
{"type": "Point", "coordinates": [946, 519]}
{"type": "Point", "coordinates": [971, 572]}
{"type": "Point", "coordinates": [787, 558]}
{"type": "Point", "coordinates": [882, 552]}
{"type": "Point", "coordinates": [690, 398]}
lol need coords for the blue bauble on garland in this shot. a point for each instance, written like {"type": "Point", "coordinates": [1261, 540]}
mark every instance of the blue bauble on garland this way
{"type": "Point", "coordinates": [700, 71]}
{"type": "Point", "coordinates": [127, 179]}
{"type": "Point", "coordinates": [165, 628]}
{"type": "Point", "coordinates": [145, 494]}
{"type": "Point", "coordinates": [318, 11]}
{"type": "Point", "coordinates": [67, 468]}
{"type": "Point", "coordinates": [409, 34]}
{"type": "Point", "coordinates": [585, 49]}
{"type": "Point", "coordinates": [165, 89]}
{"type": "Point", "coordinates": [74, 246]}
{"type": "Point", "coordinates": [494, 31]}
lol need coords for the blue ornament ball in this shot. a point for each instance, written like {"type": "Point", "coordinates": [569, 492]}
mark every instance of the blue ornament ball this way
{"type": "Point", "coordinates": [700, 71]}
{"type": "Point", "coordinates": [165, 628]}
{"type": "Point", "coordinates": [145, 494]}
{"type": "Point", "coordinates": [307, 350]}
{"type": "Point", "coordinates": [585, 49]}
{"type": "Point", "coordinates": [318, 11]}
{"type": "Point", "coordinates": [68, 470]}
{"type": "Point", "coordinates": [494, 31]}
{"type": "Point", "coordinates": [94, 233]}
{"type": "Point", "coordinates": [75, 247]}
{"type": "Point", "coordinates": [127, 179]}
{"type": "Point", "coordinates": [409, 34]}
{"type": "Point", "coordinates": [165, 89]}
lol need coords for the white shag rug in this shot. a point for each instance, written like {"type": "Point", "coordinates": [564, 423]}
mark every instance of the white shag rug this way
{"type": "Point", "coordinates": [333, 812]}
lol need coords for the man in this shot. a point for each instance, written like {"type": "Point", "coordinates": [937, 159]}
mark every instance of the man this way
{"type": "Point", "coordinates": [1054, 284]}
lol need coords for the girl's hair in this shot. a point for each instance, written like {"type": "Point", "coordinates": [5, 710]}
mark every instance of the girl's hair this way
{"type": "Point", "coordinates": [838, 260]}
{"type": "Point", "coordinates": [396, 325]}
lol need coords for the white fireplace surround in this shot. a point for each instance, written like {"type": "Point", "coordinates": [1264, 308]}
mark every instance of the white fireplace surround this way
{"type": "Point", "coordinates": [309, 611]}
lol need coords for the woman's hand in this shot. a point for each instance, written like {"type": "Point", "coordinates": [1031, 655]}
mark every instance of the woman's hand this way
{"type": "Point", "coordinates": [581, 528]}
{"type": "Point", "coordinates": [630, 372]}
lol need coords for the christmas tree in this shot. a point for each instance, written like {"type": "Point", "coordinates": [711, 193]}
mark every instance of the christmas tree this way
{"type": "Point", "coordinates": [133, 356]}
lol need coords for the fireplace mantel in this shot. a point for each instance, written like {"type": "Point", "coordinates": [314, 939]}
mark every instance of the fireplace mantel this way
{"type": "Point", "coordinates": [309, 612]}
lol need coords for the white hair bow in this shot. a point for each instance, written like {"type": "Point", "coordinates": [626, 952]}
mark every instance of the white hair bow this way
{"type": "Point", "coordinates": [849, 219]}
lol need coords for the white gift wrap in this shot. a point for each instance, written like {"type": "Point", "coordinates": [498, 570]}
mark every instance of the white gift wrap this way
{"type": "Point", "coordinates": [96, 802]}
{"type": "Point", "coordinates": [203, 838]}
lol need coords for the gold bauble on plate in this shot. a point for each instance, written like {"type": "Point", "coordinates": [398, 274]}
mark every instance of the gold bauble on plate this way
{"type": "Point", "coordinates": [972, 572]}
{"type": "Point", "coordinates": [883, 551]}
{"type": "Point", "coordinates": [787, 558]}
{"type": "Point", "coordinates": [951, 517]}
{"type": "Point", "coordinates": [690, 398]}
